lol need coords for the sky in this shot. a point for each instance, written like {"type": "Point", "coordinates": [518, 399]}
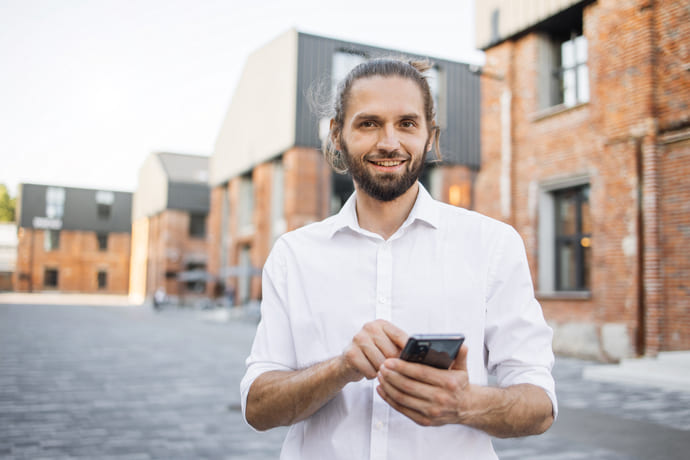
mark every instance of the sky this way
{"type": "Point", "coordinates": [90, 88]}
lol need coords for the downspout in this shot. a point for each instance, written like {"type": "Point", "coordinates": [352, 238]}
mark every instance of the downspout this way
{"type": "Point", "coordinates": [641, 309]}
{"type": "Point", "coordinates": [652, 303]}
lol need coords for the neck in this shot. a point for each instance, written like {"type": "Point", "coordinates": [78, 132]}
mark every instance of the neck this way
{"type": "Point", "coordinates": [384, 217]}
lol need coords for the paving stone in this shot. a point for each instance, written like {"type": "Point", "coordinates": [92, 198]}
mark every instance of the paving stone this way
{"type": "Point", "coordinates": [126, 383]}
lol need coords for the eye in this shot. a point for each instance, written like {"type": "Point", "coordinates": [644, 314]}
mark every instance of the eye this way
{"type": "Point", "coordinates": [408, 124]}
{"type": "Point", "coordinates": [367, 124]}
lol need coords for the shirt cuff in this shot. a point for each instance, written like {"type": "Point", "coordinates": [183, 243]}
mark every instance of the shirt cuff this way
{"type": "Point", "coordinates": [254, 370]}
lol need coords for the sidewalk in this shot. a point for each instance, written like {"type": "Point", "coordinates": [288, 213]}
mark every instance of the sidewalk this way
{"type": "Point", "coordinates": [669, 370]}
{"type": "Point", "coordinates": [61, 298]}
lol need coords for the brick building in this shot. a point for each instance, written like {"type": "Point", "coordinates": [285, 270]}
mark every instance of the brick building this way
{"type": "Point", "coordinates": [8, 254]}
{"type": "Point", "coordinates": [267, 174]}
{"type": "Point", "coordinates": [585, 134]}
{"type": "Point", "coordinates": [169, 213]}
{"type": "Point", "coordinates": [72, 240]}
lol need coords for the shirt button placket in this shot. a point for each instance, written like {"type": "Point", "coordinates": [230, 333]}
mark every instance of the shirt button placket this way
{"type": "Point", "coordinates": [380, 410]}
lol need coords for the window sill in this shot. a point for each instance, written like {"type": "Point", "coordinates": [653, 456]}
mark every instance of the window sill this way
{"type": "Point", "coordinates": [556, 110]}
{"type": "Point", "coordinates": [564, 295]}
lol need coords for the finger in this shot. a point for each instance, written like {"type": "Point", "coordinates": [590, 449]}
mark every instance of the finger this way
{"type": "Point", "coordinates": [403, 395]}
{"type": "Point", "coordinates": [415, 371]}
{"type": "Point", "coordinates": [374, 356]}
{"type": "Point", "coordinates": [412, 414]}
{"type": "Point", "coordinates": [460, 361]}
{"type": "Point", "coordinates": [396, 335]}
{"type": "Point", "coordinates": [356, 358]}
{"type": "Point", "coordinates": [400, 384]}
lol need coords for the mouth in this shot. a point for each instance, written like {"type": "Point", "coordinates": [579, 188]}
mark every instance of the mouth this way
{"type": "Point", "coordinates": [387, 163]}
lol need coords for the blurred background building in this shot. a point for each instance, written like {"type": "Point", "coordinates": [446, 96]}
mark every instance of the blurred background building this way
{"type": "Point", "coordinates": [8, 254]}
{"type": "Point", "coordinates": [169, 213]}
{"type": "Point", "coordinates": [267, 174]}
{"type": "Point", "coordinates": [585, 150]}
{"type": "Point", "coordinates": [72, 239]}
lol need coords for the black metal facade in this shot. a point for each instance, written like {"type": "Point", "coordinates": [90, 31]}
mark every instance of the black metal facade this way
{"type": "Point", "coordinates": [81, 210]}
{"type": "Point", "coordinates": [460, 136]}
{"type": "Point", "coordinates": [189, 197]}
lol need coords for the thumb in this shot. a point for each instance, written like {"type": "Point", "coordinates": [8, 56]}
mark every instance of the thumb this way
{"type": "Point", "coordinates": [460, 361]}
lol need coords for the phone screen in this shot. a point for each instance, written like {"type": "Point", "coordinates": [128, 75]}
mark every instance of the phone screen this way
{"type": "Point", "coordinates": [437, 350]}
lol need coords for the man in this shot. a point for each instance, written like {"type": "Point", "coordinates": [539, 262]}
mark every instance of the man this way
{"type": "Point", "coordinates": [341, 296]}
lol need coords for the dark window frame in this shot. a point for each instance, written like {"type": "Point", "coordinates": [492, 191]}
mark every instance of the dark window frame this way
{"type": "Point", "coordinates": [51, 240]}
{"type": "Point", "coordinates": [197, 225]}
{"type": "Point", "coordinates": [102, 239]}
{"type": "Point", "coordinates": [581, 252]}
{"type": "Point", "coordinates": [51, 277]}
{"type": "Point", "coordinates": [102, 279]}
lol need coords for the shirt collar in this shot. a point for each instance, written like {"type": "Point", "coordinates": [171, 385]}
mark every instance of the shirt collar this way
{"type": "Point", "coordinates": [425, 209]}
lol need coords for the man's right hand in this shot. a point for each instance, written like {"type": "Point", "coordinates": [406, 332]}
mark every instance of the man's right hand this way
{"type": "Point", "coordinates": [377, 341]}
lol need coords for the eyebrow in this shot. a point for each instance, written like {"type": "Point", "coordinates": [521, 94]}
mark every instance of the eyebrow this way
{"type": "Point", "coordinates": [369, 116]}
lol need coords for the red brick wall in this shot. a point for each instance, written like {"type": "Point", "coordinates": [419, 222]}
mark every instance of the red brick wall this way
{"type": "Point", "coordinates": [675, 240]}
{"type": "Point", "coordinates": [306, 199]}
{"type": "Point", "coordinates": [170, 249]}
{"type": "Point", "coordinates": [612, 140]}
{"type": "Point", "coordinates": [77, 259]}
{"type": "Point", "coordinates": [307, 187]}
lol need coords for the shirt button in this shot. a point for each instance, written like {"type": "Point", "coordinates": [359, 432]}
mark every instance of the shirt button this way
{"type": "Point", "coordinates": [379, 425]}
{"type": "Point", "coordinates": [382, 300]}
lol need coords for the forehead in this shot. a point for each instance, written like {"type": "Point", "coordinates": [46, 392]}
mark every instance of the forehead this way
{"type": "Point", "coordinates": [385, 95]}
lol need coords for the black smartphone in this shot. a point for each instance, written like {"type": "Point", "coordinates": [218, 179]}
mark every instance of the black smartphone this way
{"type": "Point", "coordinates": [437, 350]}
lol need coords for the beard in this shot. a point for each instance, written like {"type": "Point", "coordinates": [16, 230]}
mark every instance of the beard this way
{"type": "Point", "coordinates": [383, 186]}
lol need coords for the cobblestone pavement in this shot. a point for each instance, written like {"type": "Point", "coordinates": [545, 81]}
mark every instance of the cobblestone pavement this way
{"type": "Point", "coordinates": [126, 383]}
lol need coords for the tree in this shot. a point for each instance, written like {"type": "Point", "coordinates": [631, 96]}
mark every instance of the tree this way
{"type": "Point", "coordinates": [7, 205]}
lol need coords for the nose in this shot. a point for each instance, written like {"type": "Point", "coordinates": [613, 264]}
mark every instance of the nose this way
{"type": "Point", "coordinates": [388, 139]}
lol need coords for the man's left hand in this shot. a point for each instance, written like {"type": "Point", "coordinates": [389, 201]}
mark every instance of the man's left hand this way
{"type": "Point", "coordinates": [427, 395]}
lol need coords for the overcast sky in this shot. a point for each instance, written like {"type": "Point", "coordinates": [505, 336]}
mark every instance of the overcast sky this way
{"type": "Point", "coordinates": [88, 88]}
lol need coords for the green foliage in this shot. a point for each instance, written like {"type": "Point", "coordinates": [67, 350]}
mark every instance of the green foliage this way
{"type": "Point", "coordinates": [7, 205]}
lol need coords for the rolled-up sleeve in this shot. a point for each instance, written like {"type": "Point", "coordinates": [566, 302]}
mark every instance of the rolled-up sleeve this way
{"type": "Point", "coordinates": [273, 348]}
{"type": "Point", "coordinates": [518, 341]}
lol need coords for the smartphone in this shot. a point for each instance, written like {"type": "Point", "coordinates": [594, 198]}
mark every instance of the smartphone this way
{"type": "Point", "coordinates": [437, 350]}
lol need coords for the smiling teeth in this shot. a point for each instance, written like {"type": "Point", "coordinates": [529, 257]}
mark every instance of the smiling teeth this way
{"type": "Point", "coordinates": [388, 163]}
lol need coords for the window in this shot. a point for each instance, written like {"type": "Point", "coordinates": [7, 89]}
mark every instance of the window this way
{"type": "Point", "coordinates": [196, 277]}
{"type": "Point", "coordinates": [197, 225]}
{"type": "Point", "coordinates": [564, 74]}
{"type": "Point", "coordinates": [343, 62]}
{"type": "Point", "coordinates": [51, 240]}
{"type": "Point", "coordinates": [573, 74]}
{"type": "Point", "coordinates": [102, 279]}
{"type": "Point", "coordinates": [246, 206]}
{"type": "Point", "coordinates": [565, 237]}
{"type": "Point", "coordinates": [341, 189]}
{"type": "Point", "coordinates": [437, 85]}
{"type": "Point", "coordinates": [573, 239]}
{"type": "Point", "coordinates": [278, 224]}
{"type": "Point", "coordinates": [244, 281]}
{"type": "Point", "coordinates": [50, 278]}
{"type": "Point", "coordinates": [105, 201]}
{"type": "Point", "coordinates": [102, 241]}
{"type": "Point", "coordinates": [562, 68]}
{"type": "Point", "coordinates": [55, 202]}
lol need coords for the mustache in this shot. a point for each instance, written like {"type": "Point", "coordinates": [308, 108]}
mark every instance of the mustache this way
{"type": "Point", "coordinates": [393, 155]}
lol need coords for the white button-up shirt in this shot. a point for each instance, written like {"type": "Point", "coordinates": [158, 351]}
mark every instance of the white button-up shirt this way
{"type": "Point", "coordinates": [446, 270]}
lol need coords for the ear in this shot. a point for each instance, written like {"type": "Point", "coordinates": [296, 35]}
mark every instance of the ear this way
{"type": "Point", "coordinates": [433, 135]}
{"type": "Point", "coordinates": [334, 134]}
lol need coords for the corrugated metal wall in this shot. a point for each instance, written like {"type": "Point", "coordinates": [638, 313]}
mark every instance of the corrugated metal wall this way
{"type": "Point", "coordinates": [80, 209]}
{"type": "Point", "coordinates": [460, 136]}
